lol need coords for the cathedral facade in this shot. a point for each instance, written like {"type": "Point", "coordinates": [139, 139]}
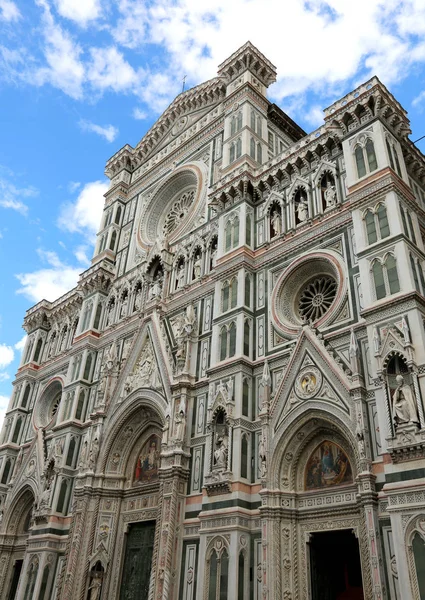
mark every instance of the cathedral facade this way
{"type": "Point", "coordinates": [230, 403]}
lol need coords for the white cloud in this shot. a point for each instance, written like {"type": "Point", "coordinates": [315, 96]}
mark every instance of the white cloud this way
{"type": "Point", "coordinates": [49, 283]}
{"type": "Point", "coordinates": [11, 195]}
{"type": "Point", "coordinates": [80, 11]}
{"type": "Point", "coordinates": [9, 11]}
{"type": "Point", "coordinates": [6, 355]}
{"type": "Point", "coordinates": [85, 213]}
{"type": "Point", "coordinates": [65, 69]}
{"type": "Point", "coordinates": [314, 116]}
{"type": "Point", "coordinates": [108, 69]}
{"type": "Point", "coordinates": [109, 132]}
{"type": "Point", "coordinates": [73, 186]}
{"type": "Point", "coordinates": [420, 98]}
{"type": "Point", "coordinates": [80, 254]}
{"type": "Point", "coordinates": [139, 114]}
{"type": "Point", "coordinates": [21, 344]}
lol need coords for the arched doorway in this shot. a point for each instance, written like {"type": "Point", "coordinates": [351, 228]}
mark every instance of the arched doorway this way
{"type": "Point", "coordinates": [17, 525]}
{"type": "Point", "coordinates": [320, 549]}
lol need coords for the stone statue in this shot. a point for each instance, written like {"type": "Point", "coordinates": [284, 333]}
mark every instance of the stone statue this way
{"type": "Point", "coordinates": [404, 405]}
{"type": "Point", "coordinates": [405, 331]}
{"type": "Point", "coordinates": [95, 588]}
{"type": "Point", "coordinates": [213, 257]}
{"type": "Point", "coordinates": [276, 223]}
{"type": "Point", "coordinates": [166, 430]}
{"type": "Point", "coordinates": [180, 420]}
{"type": "Point", "coordinates": [220, 453]}
{"type": "Point", "coordinates": [83, 456]}
{"type": "Point", "coordinates": [376, 340]}
{"type": "Point", "coordinates": [302, 210]}
{"type": "Point", "coordinates": [180, 276]}
{"type": "Point", "coordinates": [94, 451]}
{"type": "Point", "coordinates": [156, 287]}
{"type": "Point", "coordinates": [330, 195]}
{"type": "Point", "coordinates": [124, 306]}
{"type": "Point", "coordinates": [197, 268]}
{"type": "Point", "coordinates": [138, 299]}
{"type": "Point", "coordinates": [263, 457]}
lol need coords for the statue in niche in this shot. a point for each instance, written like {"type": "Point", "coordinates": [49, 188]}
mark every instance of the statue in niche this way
{"type": "Point", "coordinates": [94, 451]}
{"type": "Point", "coordinates": [110, 316]}
{"type": "Point", "coordinates": [155, 289]}
{"type": "Point", "coordinates": [329, 194]}
{"type": "Point", "coordinates": [214, 251]}
{"type": "Point", "coordinates": [302, 209]}
{"type": "Point", "coordinates": [404, 405]}
{"type": "Point", "coordinates": [180, 276]}
{"type": "Point", "coordinates": [138, 299]}
{"type": "Point", "coordinates": [83, 456]}
{"type": "Point", "coordinates": [95, 587]}
{"type": "Point", "coordinates": [180, 421]}
{"type": "Point", "coordinates": [276, 222]}
{"type": "Point", "coordinates": [124, 306]}
{"type": "Point", "coordinates": [221, 453]}
{"type": "Point", "coordinates": [263, 457]}
{"type": "Point", "coordinates": [197, 267]}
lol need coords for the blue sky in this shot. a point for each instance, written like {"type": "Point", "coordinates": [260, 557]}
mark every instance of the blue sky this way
{"type": "Point", "coordinates": [80, 78]}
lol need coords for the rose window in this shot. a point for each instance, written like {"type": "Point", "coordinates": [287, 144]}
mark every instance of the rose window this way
{"type": "Point", "coordinates": [316, 298]}
{"type": "Point", "coordinates": [178, 211]}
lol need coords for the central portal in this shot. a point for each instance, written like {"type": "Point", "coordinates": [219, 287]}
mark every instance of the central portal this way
{"type": "Point", "coordinates": [138, 561]}
{"type": "Point", "coordinates": [335, 566]}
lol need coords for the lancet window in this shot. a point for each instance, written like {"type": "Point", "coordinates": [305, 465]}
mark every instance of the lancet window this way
{"type": "Point", "coordinates": [385, 276]}
{"type": "Point", "coordinates": [365, 158]}
{"type": "Point", "coordinates": [376, 223]}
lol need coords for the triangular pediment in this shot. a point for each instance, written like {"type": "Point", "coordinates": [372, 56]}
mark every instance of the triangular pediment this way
{"type": "Point", "coordinates": [311, 375]}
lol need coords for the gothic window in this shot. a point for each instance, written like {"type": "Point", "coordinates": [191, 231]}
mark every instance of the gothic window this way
{"type": "Point", "coordinates": [246, 338]}
{"type": "Point", "coordinates": [232, 151]}
{"type": "Point", "coordinates": [62, 344]}
{"type": "Point", "coordinates": [253, 121]}
{"type": "Point", "coordinates": [245, 398]}
{"type": "Point", "coordinates": [390, 154]}
{"type": "Point", "coordinates": [397, 162]}
{"type": "Point", "coordinates": [37, 352]}
{"type": "Point", "coordinates": [63, 499]}
{"type": "Point", "coordinates": [377, 225]}
{"type": "Point", "coordinates": [252, 148]}
{"type": "Point", "coordinates": [418, 548]}
{"type": "Point", "coordinates": [418, 274]}
{"type": "Point", "coordinates": [6, 471]}
{"type": "Point", "coordinates": [259, 153]}
{"type": "Point", "coordinates": [365, 158]}
{"type": "Point", "coordinates": [88, 367]}
{"type": "Point", "coordinates": [26, 396]}
{"type": "Point", "coordinates": [227, 341]}
{"type": "Point", "coordinates": [241, 576]}
{"type": "Point", "coordinates": [17, 431]}
{"type": "Point", "coordinates": [248, 227]}
{"type": "Point", "coordinates": [385, 277]}
{"type": "Point", "coordinates": [44, 581]}
{"type": "Point", "coordinates": [102, 243]}
{"type": "Point", "coordinates": [247, 289]}
{"type": "Point", "coordinates": [225, 296]}
{"type": "Point", "coordinates": [235, 232]}
{"type": "Point", "coordinates": [410, 229]}
{"type": "Point", "coordinates": [231, 234]}
{"type": "Point", "coordinates": [98, 315]}
{"type": "Point", "coordinates": [239, 121]}
{"type": "Point", "coordinates": [87, 316]}
{"type": "Point", "coordinates": [118, 215]}
{"type": "Point", "coordinates": [80, 407]}
{"type": "Point", "coordinates": [70, 455]}
{"type": "Point", "coordinates": [228, 235]}
{"type": "Point", "coordinates": [31, 580]}
{"type": "Point", "coordinates": [223, 343]}
{"type": "Point", "coordinates": [233, 292]}
{"type": "Point", "coordinates": [28, 350]}
{"type": "Point", "coordinates": [415, 274]}
{"type": "Point", "coordinates": [76, 368]}
{"type": "Point", "coordinates": [244, 456]}
{"type": "Point", "coordinates": [113, 241]}
{"type": "Point", "coordinates": [232, 339]}
{"type": "Point", "coordinates": [108, 218]}
{"type": "Point", "coordinates": [238, 147]}
{"type": "Point", "coordinates": [393, 156]}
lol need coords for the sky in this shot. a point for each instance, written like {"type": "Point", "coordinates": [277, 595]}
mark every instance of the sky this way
{"type": "Point", "coordinates": [81, 78]}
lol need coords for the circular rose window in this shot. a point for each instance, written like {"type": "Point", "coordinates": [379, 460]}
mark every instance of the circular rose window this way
{"type": "Point", "coordinates": [311, 290]}
{"type": "Point", "coordinates": [174, 206]}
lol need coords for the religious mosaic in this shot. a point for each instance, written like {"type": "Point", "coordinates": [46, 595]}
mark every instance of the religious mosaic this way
{"type": "Point", "coordinates": [327, 466]}
{"type": "Point", "coordinates": [148, 460]}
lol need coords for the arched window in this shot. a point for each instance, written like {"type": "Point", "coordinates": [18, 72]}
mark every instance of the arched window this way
{"type": "Point", "coordinates": [233, 125]}
{"type": "Point", "coordinates": [378, 277]}
{"type": "Point", "coordinates": [259, 126]}
{"type": "Point", "coordinates": [418, 548]}
{"type": "Point", "coordinates": [62, 505]}
{"type": "Point", "coordinates": [239, 121]}
{"type": "Point", "coordinates": [246, 338]}
{"type": "Point", "coordinates": [44, 582]}
{"type": "Point", "coordinates": [232, 151]}
{"type": "Point", "coordinates": [391, 268]}
{"type": "Point", "coordinates": [371, 156]}
{"type": "Point", "coordinates": [252, 148]}
{"type": "Point", "coordinates": [411, 228]}
{"type": "Point", "coordinates": [38, 350]}
{"type": "Point", "coordinates": [231, 233]}
{"type": "Point", "coordinates": [253, 121]}
{"type": "Point", "coordinates": [98, 315]}
{"type": "Point", "coordinates": [415, 273]}
{"type": "Point", "coordinates": [213, 570]}
{"type": "Point", "coordinates": [223, 343]}
{"type": "Point", "coordinates": [87, 315]}
{"type": "Point", "coordinates": [245, 398]}
{"type": "Point", "coordinates": [80, 406]}
{"type": "Point", "coordinates": [70, 454]}
{"type": "Point", "coordinates": [225, 296]}
{"type": "Point", "coordinates": [360, 162]}
{"type": "Point", "coordinates": [244, 457]}
{"type": "Point", "coordinates": [235, 232]}
{"type": "Point", "coordinates": [241, 576]}
{"type": "Point", "coordinates": [228, 235]}
{"type": "Point", "coordinates": [113, 240]}
{"type": "Point", "coordinates": [247, 289]}
{"type": "Point", "coordinates": [118, 215]}
{"type": "Point", "coordinates": [26, 396]}
{"type": "Point", "coordinates": [248, 226]}
{"type": "Point", "coordinates": [87, 368]}
{"type": "Point", "coordinates": [397, 162]}
{"type": "Point", "coordinates": [238, 147]}
{"type": "Point", "coordinates": [62, 344]}
{"type": "Point", "coordinates": [6, 471]}
{"type": "Point", "coordinates": [32, 578]}
{"type": "Point", "coordinates": [17, 431]}
{"type": "Point", "coordinates": [377, 225]}
{"type": "Point", "coordinates": [259, 153]}
{"type": "Point", "coordinates": [232, 340]}
{"type": "Point", "coordinates": [233, 292]}
{"type": "Point", "coordinates": [372, 236]}
{"type": "Point", "coordinates": [390, 154]}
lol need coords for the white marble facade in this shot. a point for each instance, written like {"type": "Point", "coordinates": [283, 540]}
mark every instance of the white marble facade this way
{"type": "Point", "coordinates": [235, 387]}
